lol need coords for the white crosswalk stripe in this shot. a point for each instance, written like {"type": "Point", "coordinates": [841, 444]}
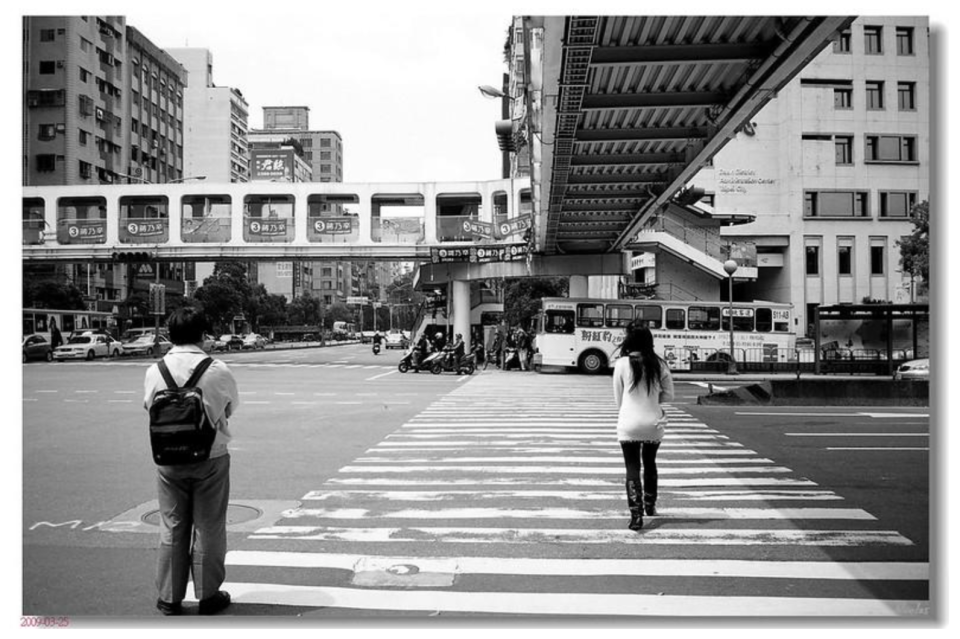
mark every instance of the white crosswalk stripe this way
{"type": "Point", "coordinates": [519, 476]}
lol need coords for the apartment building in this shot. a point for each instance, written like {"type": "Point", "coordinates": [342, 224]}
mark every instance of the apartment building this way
{"type": "Point", "coordinates": [103, 105]}
{"type": "Point", "coordinates": [831, 169]}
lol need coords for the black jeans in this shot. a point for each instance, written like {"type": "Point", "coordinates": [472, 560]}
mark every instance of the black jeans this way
{"type": "Point", "coordinates": [642, 454]}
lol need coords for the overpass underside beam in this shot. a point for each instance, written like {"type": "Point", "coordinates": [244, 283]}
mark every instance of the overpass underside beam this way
{"type": "Point", "coordinates": [537, 266]}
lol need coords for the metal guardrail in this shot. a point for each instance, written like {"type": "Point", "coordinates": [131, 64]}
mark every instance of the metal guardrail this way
{"type": "Point", "coordinates": [797, 360]}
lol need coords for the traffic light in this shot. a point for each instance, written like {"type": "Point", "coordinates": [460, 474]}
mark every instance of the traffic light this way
{"type": "Point", "coordinates": [133, 256]}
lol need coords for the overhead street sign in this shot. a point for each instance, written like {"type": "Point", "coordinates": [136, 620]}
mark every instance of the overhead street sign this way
{"type": "Point", "coordinates": [358, 300]}
{"type": "Point", "coordinates": [480, 254]}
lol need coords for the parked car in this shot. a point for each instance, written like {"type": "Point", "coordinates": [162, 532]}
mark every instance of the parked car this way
{"type": "Point", "coordinates": [147, 345]}
{"type": "Point", "coordinates": [253, 341]}
{"type": "Point", "coordinates": [88, 346]}
{"type": "Point", "coordinates": [232, 341]}
{"type": "Point", "coordinates": [396, 340]}
{"type": "Point", "coordinates": [914, 369]}
{"type": "Point", "coordinates": [209, 343]}
{"type": "Point", "coordinates": [37, 347]}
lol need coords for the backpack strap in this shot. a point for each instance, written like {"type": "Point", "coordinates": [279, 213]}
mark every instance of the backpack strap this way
{"type": "Point", "coordinates": [199, 371]}
{"type": "Point", "coordinates": [167, 377]}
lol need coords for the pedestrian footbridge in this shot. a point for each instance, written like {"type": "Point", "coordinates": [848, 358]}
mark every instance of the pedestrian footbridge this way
{"type": "Point", "coordinates": [201, 221]}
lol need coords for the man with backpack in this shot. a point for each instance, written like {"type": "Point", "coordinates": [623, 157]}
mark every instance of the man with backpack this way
{"type": "Point", "coordinates": [193, 486]}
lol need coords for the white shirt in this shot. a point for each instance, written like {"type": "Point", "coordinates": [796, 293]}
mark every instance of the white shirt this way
{"type": "Point", "coordinates": [220, 396]}
{"type": "Point", "coordinates": [640, 417]}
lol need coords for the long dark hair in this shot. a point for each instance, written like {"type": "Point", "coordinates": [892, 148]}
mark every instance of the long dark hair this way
{"type": "Point", "coordinates": [644, 362]}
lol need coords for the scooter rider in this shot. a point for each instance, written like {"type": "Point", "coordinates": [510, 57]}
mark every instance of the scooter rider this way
{"type": "Point", "coordinates": [421, 350]}
{"type": "Point", "coordinates": [377, 339]}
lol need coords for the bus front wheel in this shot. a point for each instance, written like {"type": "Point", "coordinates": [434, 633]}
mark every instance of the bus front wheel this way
{"type": "Point", "coordinates": [592, 362]}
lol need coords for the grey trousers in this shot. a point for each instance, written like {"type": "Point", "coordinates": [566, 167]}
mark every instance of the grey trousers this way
{"type": "Point", "coordinates": [193, 528]}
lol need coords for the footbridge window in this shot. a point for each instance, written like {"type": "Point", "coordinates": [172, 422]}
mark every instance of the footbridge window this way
{"type": "Point", "coordinates": [206, 218]}
{"type": "Point", "coordinates": [458, 215]}
{"type": "Point", "coordinates": [397, 218]}
{"type": "Point", "coordinates": [144, 220]}
{"type": "Point", "coordinates": [333, 218]}
{"type": "Point", "coordinates": [82, 220]}
{"type": "Point", "coordinates": [268, 218]}
{"type": "Point", "coordinates": [33, 220]}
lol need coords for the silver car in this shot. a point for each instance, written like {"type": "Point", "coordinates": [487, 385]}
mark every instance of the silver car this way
{"type": "Point", "coordinates": [914, 369]}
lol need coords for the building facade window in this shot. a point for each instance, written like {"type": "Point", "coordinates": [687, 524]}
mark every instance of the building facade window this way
{"type": "Point", "coordinates": [904, 40]}
{"type": "Point", "coordinates": [840, 204]}
{"type": "Point", "coordinates": [83, 137]}
{"type": "Point", "coordinates": [325, 143]}
{"type": "Point", "coordinates": [891, 148]}
{"type": "Point", "coordinates": [842, 43]}
{"type": "Point", "coordinates": [47, 35]}
{"type": "Point", "coordinates": [844, 149]}
{"type": "Point", "coordinates": [84, 75]}
{"type": "Point", "coordinates": [877, 253]}
{"type": "Point", "coordinates": [812, 260]}
{"type": "Point", "coordinates": [47, 132]}
{"type": "Point", "coordinates": [874, 95]}
{"type": "Point", "coordinates": [906, 96]}
{"type": "Point", "coordinates": [873, 40]}
{"type": "Point", "coordinates": [843, 98]}
{"type": "Point", "coordinates": [897, 204]}
{"type": "Point", "coordinates": [845, 258]}
{"type": "Point", "coordinates": [48, 67]}
{"type": "Point", "coordinates": [46, 163]}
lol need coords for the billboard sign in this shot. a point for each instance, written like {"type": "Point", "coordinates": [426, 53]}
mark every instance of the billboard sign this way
{"type": "Point", "coordinates": [272, 164]}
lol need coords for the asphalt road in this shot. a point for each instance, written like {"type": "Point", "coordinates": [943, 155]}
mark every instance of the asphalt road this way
{"type": "Point", "coordinates": [357, 491]}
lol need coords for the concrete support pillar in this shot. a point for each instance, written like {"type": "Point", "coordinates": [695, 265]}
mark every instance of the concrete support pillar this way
{"type": "Point", "coordinates": [579, 286]}
{"type": "Point", "coordinates": [460, 297]}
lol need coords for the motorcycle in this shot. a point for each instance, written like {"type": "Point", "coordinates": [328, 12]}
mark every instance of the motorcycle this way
{"type": "Point", "coordinates": [447, 362]}
{"type": "Point", "coordinates": [376, 348]}
{"type": "Point", "coordinates": [407, 362]}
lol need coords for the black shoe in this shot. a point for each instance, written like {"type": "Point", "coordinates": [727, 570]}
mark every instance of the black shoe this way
{"type": "Point", "coordinates": [169, 609]}
{"type": "Point", "coordinates": [650, 509]}
{"type": "Point", "coordinates": [213, 605]}
{"type": "Point", "coordinates": [636, 519]}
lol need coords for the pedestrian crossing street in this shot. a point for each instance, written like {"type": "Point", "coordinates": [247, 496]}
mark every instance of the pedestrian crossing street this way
{"type": "Point", "coordinates": [506, 497]}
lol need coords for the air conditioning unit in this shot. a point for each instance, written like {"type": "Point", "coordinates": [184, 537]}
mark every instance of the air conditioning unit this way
{"type": "Point", "coordinates": [59, 64]}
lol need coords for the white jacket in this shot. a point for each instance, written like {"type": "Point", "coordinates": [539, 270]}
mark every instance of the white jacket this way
{"type": "Point", "coordinates": [640, 417]}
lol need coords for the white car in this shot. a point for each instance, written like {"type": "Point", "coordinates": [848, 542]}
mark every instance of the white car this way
{"type": "Point", "coordinates": [88, 346]}
{"type": "Point", "coordinates": [395, 340]}
{"type": "Point", "coordinates": [253, 341]}
{"type": "Point", "coordinates": [914, 369]}
{"type": "Point", "coordinates": [146, 345]}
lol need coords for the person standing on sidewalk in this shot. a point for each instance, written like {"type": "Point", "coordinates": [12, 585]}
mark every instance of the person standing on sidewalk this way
{"type": "Point", "coordinates": [193, 498]}
{"type": "Point", "coordinates": [641, 382]}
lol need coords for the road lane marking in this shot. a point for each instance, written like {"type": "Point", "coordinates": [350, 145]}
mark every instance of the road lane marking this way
{"type": "Point", "coordinates": [856, 434]}
{"type": "Point", "coordinates": [680, 536]}
{"type": "Point", "coordinates": [868, 571]}
{"type": "Point", "coordinates": [615, 494]}
{"type": "Point", "coordinates": [855, 414]}
{"type": "Point", "coordinates": [577, 470]}
{"type": "Point", "coordinates": [567, 603]}
{"type": "Point", "coordinates": [390, 372]}
{"type": "Point", "coordinates": [667, 513]}
{"type": "Point", "coordinates": [875, 448]}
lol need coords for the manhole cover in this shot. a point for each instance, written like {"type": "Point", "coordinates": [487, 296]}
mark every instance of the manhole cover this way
{"type": "Point", "coordinates": [236, 514]}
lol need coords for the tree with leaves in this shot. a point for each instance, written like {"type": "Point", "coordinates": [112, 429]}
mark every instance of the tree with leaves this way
{"type": "Point", "coordinates": [521, 297]}
{"type": "Point", "coordinates": [52, 294]}
{"type": "Point", "coordinates": [305, 311]}
{"type": "Point", "coordinates": [915, 248]}
{"type": "Point", "coordinates": [224, 294]}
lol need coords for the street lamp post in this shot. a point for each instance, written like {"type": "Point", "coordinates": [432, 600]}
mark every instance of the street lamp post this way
{"type": "Point", "coordinates": [730, 266]}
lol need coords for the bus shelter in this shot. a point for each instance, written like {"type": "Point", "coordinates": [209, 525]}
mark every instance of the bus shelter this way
{"type": "Point", "coordinates": [870, 338]}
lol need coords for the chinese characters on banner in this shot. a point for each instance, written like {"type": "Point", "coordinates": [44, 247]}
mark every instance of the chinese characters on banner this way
{"type": "Point", "coordinates": [480, 254]}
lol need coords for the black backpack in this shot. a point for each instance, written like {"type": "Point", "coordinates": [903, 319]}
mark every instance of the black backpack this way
{"type": "Point", "coordinates": [180, 431]}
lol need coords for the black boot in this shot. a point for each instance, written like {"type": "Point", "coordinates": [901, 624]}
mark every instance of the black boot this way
{"type": "Point", "coordinates": [633, 502]}
{"type": "Point", "coordinates": [649, 504]}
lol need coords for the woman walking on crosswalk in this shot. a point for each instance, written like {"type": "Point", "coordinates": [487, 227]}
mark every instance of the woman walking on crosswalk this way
{"type": "Point", "coordinates": [641, 382]}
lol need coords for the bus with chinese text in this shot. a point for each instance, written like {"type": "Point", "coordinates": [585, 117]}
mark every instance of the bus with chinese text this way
{"type": "Point", "coordinates": [586, 333]}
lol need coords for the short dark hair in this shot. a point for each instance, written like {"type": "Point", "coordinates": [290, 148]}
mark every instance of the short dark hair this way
{"type": "Point", "coordinates": [186, 326]}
